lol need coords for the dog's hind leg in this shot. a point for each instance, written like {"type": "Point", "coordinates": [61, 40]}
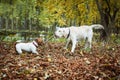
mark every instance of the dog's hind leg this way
{"type": "Point", "coordinates": [89, 42]}
{"type": "Point", "coordinates": [86, 44]}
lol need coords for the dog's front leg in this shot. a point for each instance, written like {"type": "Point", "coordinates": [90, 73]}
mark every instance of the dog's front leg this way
{"type": "Point", "coordinates": [74, 42]}
{"type": "Point", "coordinates": [68, 41]}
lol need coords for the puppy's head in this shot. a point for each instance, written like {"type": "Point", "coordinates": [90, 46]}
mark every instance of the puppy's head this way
{"type": "Point", "coordinates": [60, 32]}
{"type": "Point", "coordinates": [39, 41]}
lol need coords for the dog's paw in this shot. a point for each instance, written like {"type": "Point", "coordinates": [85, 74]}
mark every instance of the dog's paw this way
{"type": "Point", "coordinates": [64, 48]}
{"type": "Point", "coordinates": [71, 53]}
{"type": "Point", "coordinates": [37, 53]}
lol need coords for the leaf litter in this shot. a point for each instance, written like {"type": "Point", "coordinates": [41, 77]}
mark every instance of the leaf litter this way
{"type": "Point", "coordinates": [55, 63]}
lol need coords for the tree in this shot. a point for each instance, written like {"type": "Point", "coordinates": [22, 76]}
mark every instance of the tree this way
{"type": "Point", "coordinates": [49, 13]}
{"type": "Point", "coordinates": [108, 10]}
{"type": "Point", "coordinates": [68, 12]}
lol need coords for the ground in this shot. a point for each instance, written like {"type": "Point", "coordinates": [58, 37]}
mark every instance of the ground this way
{"type": "Point", "coordinates": [55, 63]}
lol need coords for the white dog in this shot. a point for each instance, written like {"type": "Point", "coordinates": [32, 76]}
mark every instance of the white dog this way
{"type": "Point", "coordinates": [29, 47]}
{"type": "Point", "coordinates": [77, 33]}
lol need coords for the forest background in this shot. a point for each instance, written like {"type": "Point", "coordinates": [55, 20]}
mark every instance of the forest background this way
{"type": "Point", "coordinates": [29, 19]}
{"type": "Point", "coordinates": [34, 16]}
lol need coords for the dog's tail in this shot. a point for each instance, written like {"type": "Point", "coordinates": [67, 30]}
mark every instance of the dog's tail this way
{"type": "Point", "coordinates": [97, 26]}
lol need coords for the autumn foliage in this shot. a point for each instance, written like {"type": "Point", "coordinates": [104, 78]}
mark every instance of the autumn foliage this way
{"type": "Point", "coordinates": [55, 63]}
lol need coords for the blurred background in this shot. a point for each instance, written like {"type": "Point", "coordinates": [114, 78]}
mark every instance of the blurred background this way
{"type": "Point", "coordinates": [28, 19]}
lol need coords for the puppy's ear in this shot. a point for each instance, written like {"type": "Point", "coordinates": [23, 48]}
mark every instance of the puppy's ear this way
{"type": "Point", "coordinates": [36, 40]}
{"type": "Point", "coordinates": [39, 41]}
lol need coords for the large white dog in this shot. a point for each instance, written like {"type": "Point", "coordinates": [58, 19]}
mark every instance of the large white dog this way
{"type": "Point", "coordinates": [77, 33]}
{"type": "Point", "coordinates": [29, 47]}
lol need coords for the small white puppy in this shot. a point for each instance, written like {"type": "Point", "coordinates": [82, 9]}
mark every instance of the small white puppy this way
{"type": "Point", "coordinates": [77, 33]}
{"type": "Point", "coordinates": [29, 47]}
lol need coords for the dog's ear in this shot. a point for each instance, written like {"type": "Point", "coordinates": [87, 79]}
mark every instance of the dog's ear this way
{"type": "Point", "coordinates": [63, 30]}
{"type": "Point", "coordinates": [57, 28]}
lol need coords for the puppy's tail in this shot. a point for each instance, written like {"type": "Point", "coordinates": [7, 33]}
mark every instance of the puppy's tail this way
{"type": "Point", "coordinates": [97, 26]}
{"type": "Point", "coordinates": [18, 41]}
{"type": "Point", "coordinates": [15, 46]}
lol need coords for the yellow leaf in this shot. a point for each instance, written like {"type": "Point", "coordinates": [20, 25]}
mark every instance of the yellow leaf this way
{"type": "Point", "coordinates": [81, 52]}
{"type": "Point", "coordinates": [35, 79]}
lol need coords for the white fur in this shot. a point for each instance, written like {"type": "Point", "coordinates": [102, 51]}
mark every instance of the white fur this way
{"type": "Point", "coordinates": [77, 33]}
{"type": "Point", "coordinates": [29, 47]}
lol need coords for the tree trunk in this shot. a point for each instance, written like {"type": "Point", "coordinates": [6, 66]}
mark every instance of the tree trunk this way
{"type": "Point", "coordinates": [107, 19]}
{"type": "Point", "coordinates": [104, 22]}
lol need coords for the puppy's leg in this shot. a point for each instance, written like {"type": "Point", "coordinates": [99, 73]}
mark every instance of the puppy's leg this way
{"type": "Point", "coordinates": [68, 41]}
{"type": "Point", "coordinates": [74, 42]}
{"type": "Point", "coordinates": [19, 51]}
{"type": "Point", "coordinates": [34, 49]}
{"type": "Point", "coordinates": [35, 52]}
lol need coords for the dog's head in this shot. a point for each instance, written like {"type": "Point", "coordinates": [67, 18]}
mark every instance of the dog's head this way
{"type": "Point", "coordinates": [61, 32]}
{"type": "Point", "coordinates": [39, 41]}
